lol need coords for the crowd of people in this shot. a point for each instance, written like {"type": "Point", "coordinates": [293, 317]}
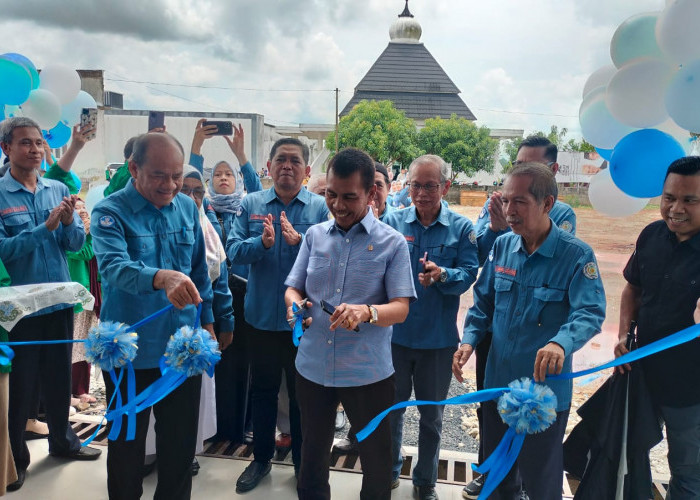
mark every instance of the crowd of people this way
{"type": "Point", "coordinates": [379, 280]}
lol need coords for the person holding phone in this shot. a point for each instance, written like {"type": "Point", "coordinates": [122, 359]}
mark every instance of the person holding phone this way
{"type": "Point", "coordinates": [361, 267]}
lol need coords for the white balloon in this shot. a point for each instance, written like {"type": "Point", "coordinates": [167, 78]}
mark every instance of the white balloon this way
{"type": "Point", "coordinates": [598, 126]}
{"type": "Point", "coordinates": [635, 95]}
{"type": "Point", "coordinates": [63, 81]}
{"type": "Point", "coordinates": [677, 30]}
{"type": "Point", "coordinates": [678, 133]}
{"type": "Point", "coordinates": [70, 113]}
{"type": "Point", "coordinates": [609, 200]}
{"type": "Point", "coordinates": [683, 96]}
{"type": "Point", "coordinates": [42, 107]}
{"type": "Point", "coordinates": [599, 78]}
{"type": "Point", "coordinates": [635, 38]}
{"type": "Point", "coordinates": [94, 194]}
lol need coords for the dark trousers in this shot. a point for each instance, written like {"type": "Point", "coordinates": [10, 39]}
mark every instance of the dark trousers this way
{"type": "Point", "coordinates": [81, 378]}
{"type": "Point", "coordinates": [50, 367]}
{"type": "Point", "coordinates": [176, 435]}
{"type": "Point", "coordinates": [233, 407]}
{"type": "Point", "coordinates": [428, 372]}
{"type": "Point", "coordinates": [318, 408]}
{"type": "Point", "coordinates": [540, 464]}
{"type": "Point", "coordinates": [272, 354]}
{"type": "Point", "coordinates": [481, 354]}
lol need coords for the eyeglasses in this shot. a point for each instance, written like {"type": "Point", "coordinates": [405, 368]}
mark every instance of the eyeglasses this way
{"type": "Point", "coordinates": [198, 192]}
{"type": "Point", "coordinates": [428, 188]}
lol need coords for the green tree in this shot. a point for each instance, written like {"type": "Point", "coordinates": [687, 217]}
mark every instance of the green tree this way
{"type": "Point", "coordinates": [555, 135]}
{"type": "Point", "coordinates": [458, 141]}
{"type": "Point", "coordinates": [381, 130]}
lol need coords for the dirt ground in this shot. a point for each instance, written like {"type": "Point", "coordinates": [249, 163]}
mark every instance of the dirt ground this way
{"type": "Point", "coordinates": [613, 241]}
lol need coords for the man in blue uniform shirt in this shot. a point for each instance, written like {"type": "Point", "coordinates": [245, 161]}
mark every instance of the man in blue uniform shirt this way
{"type": "Point", "coordinates": [38, 225]}
{"type": "Point", "coordinates": [267, 234]}
{"type": "Point", "coordinates": [489, 226]}
{"type": "Point", "coordinates": [541, 294]}
{"type": "Point", "coordinates": [150, 250]}
{"type": "Point", "coordinates": [361, 266]}
{"type": "Point", "coordinates": [444, 264]}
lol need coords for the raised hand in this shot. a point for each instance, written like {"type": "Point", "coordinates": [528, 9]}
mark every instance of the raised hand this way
{"type": "Point", "coordinates": [290, 235]}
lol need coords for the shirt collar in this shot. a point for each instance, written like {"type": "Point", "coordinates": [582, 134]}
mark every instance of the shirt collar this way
{"type": "Point", "coordinates": [13, 185]}
{"type": "Point", "coordinates": [303, 196]}
{"type": "Point", "coordinates": [693, 242]}
{"type": "Point", "coordinates": [547, 247]}
{"type": "Point", "coordinates": [443, 217]}
{"type": "Point", "coordinates": [136, 200]}
{"type": "Point", "coordinates": [366, 223]}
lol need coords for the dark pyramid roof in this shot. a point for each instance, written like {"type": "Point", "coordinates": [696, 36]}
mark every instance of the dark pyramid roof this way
{"type": "Point", "coordinates": [408, 75]}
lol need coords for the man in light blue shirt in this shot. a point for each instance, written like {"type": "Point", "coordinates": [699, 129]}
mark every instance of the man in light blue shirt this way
{"type": "Point", "coordinates": [267, 233]}
{"type": "Point", "coordinates": [361, 267]}
{"type": "Point", "coordinates": [442, 245]}
{"type": "Point", "coordinates": [38, 224]}
{"type": "Point", "coordinates": [541, 294]}
{"type": "Point", "coordinates": [150, 251]}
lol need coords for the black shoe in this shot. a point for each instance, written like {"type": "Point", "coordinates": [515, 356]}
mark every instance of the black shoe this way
{"type": "Point", "coordinates": [83, 453]}
{"type": "Point", "coordinates": [395, 483]}
{"type": "Point", "coordinates": [195, 467]}
{"type": "Point", "coordinates": [473, 489]}
{"type": "Point", "coordinates": [252, 475]}
{"type": "Point", "coordinates": [29, 435]}
{"type": "Point", "coordinates": [346, 446]}
{"type": "Point", "coordinates": [148, 469]}
{"type": "Point", "coordinates": [340, 420]}
{"type": "Point", "coordinates": [425, 493]}
{"type": "Point", "coordinates": [21, 474]}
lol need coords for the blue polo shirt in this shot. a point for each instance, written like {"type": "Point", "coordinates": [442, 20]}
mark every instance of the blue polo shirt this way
{"type": "Point", "coordinates": [388, 209]}
{"type": "Point", "coordinates": [561, 213]}
{"type": "Point", "coordinates": [450, 242]}
{"type": "Point", "coordinates": [133, 240]}
{"type": "Point", "coordinates": [554, 295]}
{"type": "Point", "coordinates": [368, 264]}
{"type": "Point", "coordinates": [264, 299]}
{"type": "Point", "coordinates": [31, 253]}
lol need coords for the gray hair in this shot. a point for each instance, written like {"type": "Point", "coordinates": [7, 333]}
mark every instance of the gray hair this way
{"type": "Point", "coordinates": [543, 183]}
{"type": "Point", "coordinates": [7, 127]}
{"type": "Point", "coordinates": [430, 160]}
{"type": "Point", "coordinates": [315, 181]}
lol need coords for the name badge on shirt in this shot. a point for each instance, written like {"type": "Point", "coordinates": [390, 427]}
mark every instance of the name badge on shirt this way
{"type": "Point", "coordinates": [506, 270]}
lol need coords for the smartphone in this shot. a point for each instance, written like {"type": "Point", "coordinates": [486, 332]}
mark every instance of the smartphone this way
{"type": "Point", "coordinates": [223, 128]}
{"type": "Point", "coordinates": [329, 309]}
{"type": "Point", "coordinates": [89, 118]}
{"type": "Point", "coordinates": [156, 119]}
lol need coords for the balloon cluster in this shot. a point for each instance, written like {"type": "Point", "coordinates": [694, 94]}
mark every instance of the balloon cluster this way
{"type": "Point", "coordinates": [642, 111]}
{"type": "Point", "coordinates": [53, 99]}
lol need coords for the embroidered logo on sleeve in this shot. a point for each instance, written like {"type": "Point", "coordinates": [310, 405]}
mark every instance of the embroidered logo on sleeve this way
{"type": "Point", "coordinates": [472, 237]}
{"type": "Point", "coordinates": [483, 213]}
{"type": "Point", "coordinates": [106, 221]}
{"type": "Point", "coordinates": [590, 271]}
{"type": "Point", "coordinates": [566, 226]}
{"type": "Point", "coordinates": [239, 211]}
{"type": "Point", "coordinates": [491, 256]}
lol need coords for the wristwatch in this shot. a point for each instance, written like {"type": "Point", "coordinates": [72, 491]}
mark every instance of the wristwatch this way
{"type": "Point", "coordinates": [443, 275]}
{"type": "Point", "coordinates": [373, 315]}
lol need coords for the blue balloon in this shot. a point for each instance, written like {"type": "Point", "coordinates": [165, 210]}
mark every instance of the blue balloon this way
{"type": "Point", "coordinates": [640, 160]}
{"type": "Point", "coordinates": [2, 112]}
{"type": "Point", "coordinates": [57, 136]}
{"type": "Point", "coordinates": [29, 65]}
{"type": "Point", "coordinates": [76, 180]}
{"type": "Point", "coordinates": [605, 154]}
{"type": "Point", "coordinates": [15, 82]}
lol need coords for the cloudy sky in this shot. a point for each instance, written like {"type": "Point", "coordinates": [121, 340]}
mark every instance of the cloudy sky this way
{"type": "Point", "coordinates": [518, 63]}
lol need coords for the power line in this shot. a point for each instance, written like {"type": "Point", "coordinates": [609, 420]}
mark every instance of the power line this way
{"type": "Point", "coordinates": [524, 113]}
{"type": "Point", "coordinates": [214, 87]}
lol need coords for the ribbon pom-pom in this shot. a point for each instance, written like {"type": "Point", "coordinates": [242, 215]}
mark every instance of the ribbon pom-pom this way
{"type": "Point", "coordinates": [528, 407]}
{"type": "Point", "coordinates": [110, 345]}
{"type": "Point", "coordinates": [192, 352]}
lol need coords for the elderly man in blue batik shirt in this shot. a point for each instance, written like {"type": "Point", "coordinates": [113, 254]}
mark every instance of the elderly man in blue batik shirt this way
{"type": "Point", "coordinates": [150, 250]}
{"type": "Point", "coordinates": [362, 267]}
{"type": "Point", "coordinates": [267, 234]}
{"type": "Point", "coordinates": [541, 294]}
{"type": "Point", "coordinates": [38, 224]}
{"type": "Point", "coordinates": [444, 263]}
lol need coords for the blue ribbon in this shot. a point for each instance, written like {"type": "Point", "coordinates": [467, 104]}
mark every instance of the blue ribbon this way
{"type": "Point", "coordinates": [298, 324]}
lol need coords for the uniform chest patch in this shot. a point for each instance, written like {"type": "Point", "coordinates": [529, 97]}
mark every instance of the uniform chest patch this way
{"type": "Point", "coordinates": [106, 221]}
{"type": "Point", "coordinates": [506, 270]}
{"type": "Point", "coordinates": [590, 271]}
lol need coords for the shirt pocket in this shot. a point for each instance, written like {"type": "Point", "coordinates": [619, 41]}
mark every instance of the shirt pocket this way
{"type": "Point", "coordinates": [549, 306]}
{"type": "Point", "coordinates": [16, 223]}
{"type": "Point", "coordinates": [443, 256]}
{"type": "Point", "coordinates": [318, 275]}
{"type": "Point", "coordinates": [183, 251]}
{"type": "Point", "coordinates": [503, 296]}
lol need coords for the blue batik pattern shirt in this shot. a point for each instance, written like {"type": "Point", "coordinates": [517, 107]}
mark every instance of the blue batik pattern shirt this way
{"type": "Point", "coordinates": [554, 295]}
{"type": "Point", "coordinates": [369, 264]}
{"type": "Point", "coordinates": [264, 300]}
{"type": "Point", "coordinates": [450, 242]}
{"type": "Point", "coordinates": [133, 240]}
{"type": "Point", "coordinates": [31, 253]}
{"type": "Point", "coordinates": [561, 213]}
